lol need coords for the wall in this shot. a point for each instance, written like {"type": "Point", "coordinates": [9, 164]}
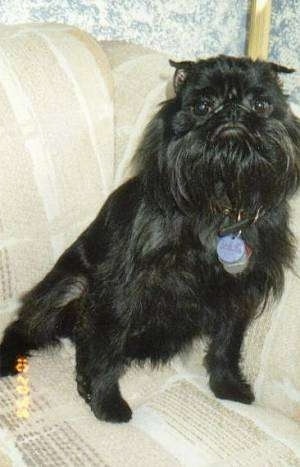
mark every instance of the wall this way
{"type": "Point", "coordinates": [182, 28]}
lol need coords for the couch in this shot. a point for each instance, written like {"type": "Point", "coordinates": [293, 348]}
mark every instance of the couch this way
{"type": "Point", "coordinates": [71, 113]}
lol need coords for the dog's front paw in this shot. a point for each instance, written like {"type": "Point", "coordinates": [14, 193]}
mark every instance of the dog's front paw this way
{"type": "Point", "coordinates": [112, 409]}
{"type": "Point", "coordinates": [231, 387]}
{"type": "Point", "coordinates": [83, 388]}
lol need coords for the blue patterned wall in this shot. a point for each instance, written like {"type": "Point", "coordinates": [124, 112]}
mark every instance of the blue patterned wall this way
{"type": "Point", "coordinates": [182, 28]}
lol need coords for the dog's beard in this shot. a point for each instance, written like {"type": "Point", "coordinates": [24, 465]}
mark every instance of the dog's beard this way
{"type": "Point", "coordinates": [251, 170]}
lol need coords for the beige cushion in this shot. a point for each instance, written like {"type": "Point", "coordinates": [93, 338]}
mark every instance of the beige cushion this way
{"type": "Point", "coordinates": [142, 79]}
{"type": "Point", "coordinates": [177, 421]}
{"type": "Point", "coordinates": [57, 167]}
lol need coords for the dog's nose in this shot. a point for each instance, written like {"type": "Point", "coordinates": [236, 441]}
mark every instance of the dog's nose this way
{"type": "Point", "coordinates": [233, 111]}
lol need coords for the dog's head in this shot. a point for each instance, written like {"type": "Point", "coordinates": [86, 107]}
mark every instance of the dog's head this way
{"type": "Point", "coordinates": [229, 132]}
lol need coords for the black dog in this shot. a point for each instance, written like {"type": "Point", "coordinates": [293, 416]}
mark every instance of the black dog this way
{"type": "Point", "coordinates": [194, 245]}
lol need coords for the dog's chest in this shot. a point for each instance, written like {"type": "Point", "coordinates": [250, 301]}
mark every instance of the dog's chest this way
{"type": "Point", "coordinates": [173, 281]}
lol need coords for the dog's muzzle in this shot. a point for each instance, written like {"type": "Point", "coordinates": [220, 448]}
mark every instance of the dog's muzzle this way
{"type": "Point", "coordinates": [230, 129]}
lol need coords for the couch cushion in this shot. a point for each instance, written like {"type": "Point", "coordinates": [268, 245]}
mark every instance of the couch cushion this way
{"type": "Point", "coordinates": [142, 79]}
{"type": "Point", "coordinates": [176, 421]}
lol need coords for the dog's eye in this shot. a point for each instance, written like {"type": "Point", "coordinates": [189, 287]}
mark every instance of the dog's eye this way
{"type": "Point", "coordinates": [202, 107]}
{"type": "Point", "coordinates": [262, 106]}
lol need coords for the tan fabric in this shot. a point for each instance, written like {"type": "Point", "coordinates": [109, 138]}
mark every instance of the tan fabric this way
{"type": "Point", "coordinates": [57, 166]}
{"type": "Point", "coordinates": [177, 421]}
{"type": "Point", "coordinates": [142, 79]}
{"type": "Point", "coordinates": [5, 461]}
{"type": "Point", "coordinates": [56, 147]}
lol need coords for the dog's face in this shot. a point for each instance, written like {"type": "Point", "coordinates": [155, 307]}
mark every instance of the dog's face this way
{"type": "Point", "coordinates": [233, 133]}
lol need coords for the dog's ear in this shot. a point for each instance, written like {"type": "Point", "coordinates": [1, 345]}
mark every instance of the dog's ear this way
{"type": "Point", "coordinates": [280, 68]}
{"type": "Point", "coordinates": [181, 73]}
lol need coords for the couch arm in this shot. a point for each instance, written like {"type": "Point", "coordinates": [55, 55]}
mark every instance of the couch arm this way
{"type": "Point", "coordinates": [56, 147]}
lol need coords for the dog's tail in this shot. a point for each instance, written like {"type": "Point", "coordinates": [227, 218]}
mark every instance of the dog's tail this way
{"type": "Point", "coordinates": [48, 313]}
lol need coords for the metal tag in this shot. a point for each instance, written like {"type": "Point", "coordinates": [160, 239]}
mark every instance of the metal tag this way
{"type": "Point", "coordinates": [233, 253]}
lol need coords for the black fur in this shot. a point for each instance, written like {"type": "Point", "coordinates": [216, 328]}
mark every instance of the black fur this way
{"type": "Point", "coordinates": [144, 280]}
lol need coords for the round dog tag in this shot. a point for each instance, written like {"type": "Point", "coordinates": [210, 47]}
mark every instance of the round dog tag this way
{"type": "Point", "coordinates": [233, 253]}
{"type": "Point", "coordinates": [230, 249]}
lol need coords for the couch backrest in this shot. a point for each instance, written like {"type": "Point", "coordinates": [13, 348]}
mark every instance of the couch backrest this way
{"type": "Point", "coordinates": [142, 79]}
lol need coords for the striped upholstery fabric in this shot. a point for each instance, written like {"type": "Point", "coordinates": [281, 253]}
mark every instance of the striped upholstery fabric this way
{"type": "Point", "coordinates": [142, 79]}
{"type": "Point", "coordinates": [72, 112]}
{"type": "Point", "coordinates": [56, 148]}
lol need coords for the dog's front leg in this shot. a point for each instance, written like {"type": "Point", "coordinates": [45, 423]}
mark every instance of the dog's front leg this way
{"type": "Point", "coordinates": [222, 362]}
{"type": "Point", "coordinates": [99, 365]}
